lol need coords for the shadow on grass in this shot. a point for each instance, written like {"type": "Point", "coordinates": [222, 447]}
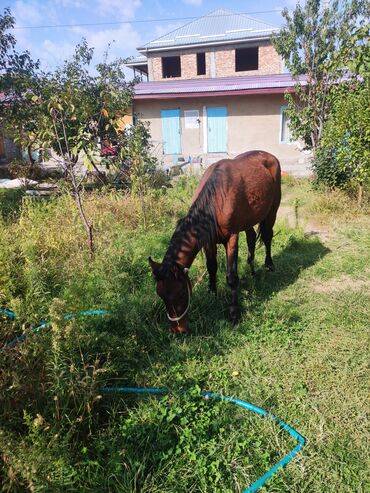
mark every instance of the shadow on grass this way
{"type": "Point", "coordinates": [298, 255]}
{"type": "Point", "coordinates": [212, 334]}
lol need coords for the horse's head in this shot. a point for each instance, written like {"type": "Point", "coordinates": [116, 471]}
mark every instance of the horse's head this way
{"type": "Point", "coordinates": [174, 287]}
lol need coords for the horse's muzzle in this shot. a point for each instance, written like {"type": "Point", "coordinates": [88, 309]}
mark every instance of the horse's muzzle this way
{"type": "Point", "coordinates": [180, 327]}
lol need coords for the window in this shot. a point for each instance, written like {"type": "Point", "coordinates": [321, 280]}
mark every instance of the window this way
{"type": "Point", "coordinates": [191, 118]}
{"type": "Point", "coordinates": [246, 59]}
{"type": "Point", "coordinates": [285, 135]}
{"type": "Point", "coordinates": [201, 64]}
{"type": "Point", "coordinates": [171, 67]}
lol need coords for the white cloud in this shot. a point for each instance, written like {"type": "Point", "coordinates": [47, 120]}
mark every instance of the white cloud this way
{"type": "Point", "coordinates": [196, 3]}
{"type": "Point", "coordinates": [77, 4]}
{"type": "Point", "coordinates": [121, 9]}
{"type": "Point", "coordinates": [28, 13]}
{"type": "Point", "coordinates": [53, 53]}
{"type": "Point", "coordinates": [33, 12]}
{"type": "Point", "coordinates": [124, 41]}
{"type": "Point", "coordinates": [58, 45]}
{"type": "Point", "coordinates": [161, 30]}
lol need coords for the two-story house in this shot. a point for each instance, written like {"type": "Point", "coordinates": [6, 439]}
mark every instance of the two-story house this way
{"type": "Point", "coordinates": [215, 87]}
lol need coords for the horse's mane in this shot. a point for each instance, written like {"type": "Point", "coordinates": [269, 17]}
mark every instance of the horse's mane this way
{"type": "Point", "coordinates": [201, 219]}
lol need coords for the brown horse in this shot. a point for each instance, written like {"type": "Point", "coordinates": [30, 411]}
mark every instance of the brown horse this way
{"type": "Point", "coordinates": [232, 196]}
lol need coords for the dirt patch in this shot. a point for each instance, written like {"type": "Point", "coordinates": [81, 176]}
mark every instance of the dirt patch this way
{"type": "Point", "coordinates": [311, 228]}
{"type": "Point", "coordinates": [316, 229]}
{"type": "Point", "coordinates": [286, 212]}
{"type": "Point", "coordinates": [340, 284]}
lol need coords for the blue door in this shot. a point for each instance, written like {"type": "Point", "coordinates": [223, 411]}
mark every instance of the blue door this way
{"type": "Point", "coordinates": [171, 131]}
{"type": "Point", "coordinates": [217, 129]}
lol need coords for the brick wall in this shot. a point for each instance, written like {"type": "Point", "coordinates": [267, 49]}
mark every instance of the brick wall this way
{"type": "Point", "coordinates": [219, 63]}
{"type": "Point", "coordinates": [268, 62]}
{"type": "Point", "coordinates": [188, 67]}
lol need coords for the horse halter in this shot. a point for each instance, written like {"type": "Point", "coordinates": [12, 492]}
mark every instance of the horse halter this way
{"type": "Point", "coordinates": [176, 319]}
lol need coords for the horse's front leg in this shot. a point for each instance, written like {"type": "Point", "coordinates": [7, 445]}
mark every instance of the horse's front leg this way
{"type": "Point", "coordinates": [232, 276]}
{"type": "Point", "coordinates": [211, 256]}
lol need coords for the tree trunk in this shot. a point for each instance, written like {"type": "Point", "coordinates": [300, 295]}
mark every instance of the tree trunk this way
{"type": "Point", "coordinates": [30, 158]}
{"type": "Point", "coordinates": [102, 177]}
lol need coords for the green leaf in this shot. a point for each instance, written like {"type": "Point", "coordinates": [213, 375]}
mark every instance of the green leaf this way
{"type": "Point", "coordinates": [87, 162]}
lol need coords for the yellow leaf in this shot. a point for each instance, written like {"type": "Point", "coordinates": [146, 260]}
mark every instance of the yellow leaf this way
{"type": "Point", "coordinates": [87, 162]}
{"type": "Point", "coordinates": [104, 112]}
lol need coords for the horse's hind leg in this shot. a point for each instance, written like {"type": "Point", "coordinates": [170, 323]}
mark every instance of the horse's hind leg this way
{"type": "Point", "coordinates": [211, 257]}
{"type": "Point", "coordinates": [251, 242]}
{"type": "Point", "coordinates": [232, 276]}
{"type": "Point", "coordinates": [266, 232]}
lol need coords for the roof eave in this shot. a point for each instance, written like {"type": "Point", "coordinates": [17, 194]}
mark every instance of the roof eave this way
{"type": "Point", "coordinates": [238, 92]}
{"type": "Point", "coordinates": [136, 64]}
{"type": "Point", "coordinates": [145, 49]}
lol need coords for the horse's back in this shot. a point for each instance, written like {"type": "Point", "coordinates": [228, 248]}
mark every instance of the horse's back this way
{"type": "Point", "coordinates": [248, 187]}
{"type": "Point", "coordinates": [262, 158]}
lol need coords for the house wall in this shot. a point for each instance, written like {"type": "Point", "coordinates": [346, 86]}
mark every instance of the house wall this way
{"type": "Point", "coordinates": [220, 62]}
{"type": "Point", "coordinates": [253, 122]}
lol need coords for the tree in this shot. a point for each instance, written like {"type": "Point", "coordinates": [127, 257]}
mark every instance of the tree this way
{"type": "Point", "coordinates": [77, 110]}
{"type": "Point", "coordinates": [69, 110]}
{"type": "Point", "coordinates": [310, 44]}
{"type": "Point", "coordinates": [7, 40]}
{"type": "Point", "coordinates": [343, 153]}
{"type": "Point", "coordinates": [17, 77]}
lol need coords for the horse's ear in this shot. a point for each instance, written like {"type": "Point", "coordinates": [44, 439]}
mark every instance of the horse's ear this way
{"type": "Point", "coordinates": [155, 266]}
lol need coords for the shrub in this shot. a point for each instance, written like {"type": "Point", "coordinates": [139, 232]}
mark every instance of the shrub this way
{"type": "Point", "coordinates": [327, 169]}
{"type": "Point", "coordinates": [343, 154]}
{"type": "Point", "coordinates": [19, 168]}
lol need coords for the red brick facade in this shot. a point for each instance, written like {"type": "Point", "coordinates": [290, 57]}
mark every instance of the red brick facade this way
{"type": "Point", "coordinates": [220, 62]}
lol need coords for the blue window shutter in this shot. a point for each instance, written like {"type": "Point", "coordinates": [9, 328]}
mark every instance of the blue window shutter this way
{"type": "Point", "coordinates": [171, 131]}
{"type": "Point", "coordinates": [217, 129]}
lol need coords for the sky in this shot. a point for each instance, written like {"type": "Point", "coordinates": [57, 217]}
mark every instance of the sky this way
{"type": "Point", "coordinates": [52, 45]}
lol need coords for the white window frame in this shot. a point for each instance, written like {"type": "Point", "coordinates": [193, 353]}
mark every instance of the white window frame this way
{"type": "Point", "coordinates": [281, 141]}
{"type": "Point", "coordinates": [190, 115]}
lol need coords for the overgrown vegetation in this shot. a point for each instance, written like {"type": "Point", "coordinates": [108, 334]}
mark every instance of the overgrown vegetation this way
{"type": "Point", "coordinates": [300, 352]}
{"type": "Point", "coordinates": [326, 50]}
{"type": "Point", "coordinates": [73, 115]}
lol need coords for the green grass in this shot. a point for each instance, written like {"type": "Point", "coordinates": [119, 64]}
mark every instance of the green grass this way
{"type": "Point", "coordinates": [300, 351]}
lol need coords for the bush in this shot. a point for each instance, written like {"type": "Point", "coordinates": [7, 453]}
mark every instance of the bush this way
{"type": "Point", "coordinates": [343, 154]}
{"type": "Point", "coordinates": [327, 169]}
{"type": "Point", "coordinates": [19, 168]}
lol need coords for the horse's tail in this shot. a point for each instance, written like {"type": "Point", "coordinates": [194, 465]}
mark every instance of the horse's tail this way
{"type": "Point", "coordinates": [258, 237]}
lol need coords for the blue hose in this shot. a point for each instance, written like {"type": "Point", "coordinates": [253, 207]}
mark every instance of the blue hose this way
{"type": "Point", "coordinates": [207, 395]}
{"type": "Point", "coordinates": [8, 313]}
{"type": "Point", "coordinates": [41, 325]}
{"type": "Point", "coordinates": [238, 402]}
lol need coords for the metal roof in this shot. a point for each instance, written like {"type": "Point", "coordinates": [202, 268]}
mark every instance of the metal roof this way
{"type": "Point", "coordinates": [137, 60]}
{"type": "Point", "coordinates": [220, 26]}
{"type": "Point", "coordinates": [250, 84]}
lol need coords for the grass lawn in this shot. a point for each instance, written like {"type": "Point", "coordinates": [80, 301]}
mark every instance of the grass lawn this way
{"type": "Point", "coordinates": [301, 352]}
